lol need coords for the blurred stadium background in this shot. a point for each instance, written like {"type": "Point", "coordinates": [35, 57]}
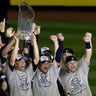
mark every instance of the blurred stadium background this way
{"type": "Point", "coordinates": [71, 17]}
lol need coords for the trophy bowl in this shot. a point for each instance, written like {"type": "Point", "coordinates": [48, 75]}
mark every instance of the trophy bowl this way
{"type": "Point", "coordinates": [25, 21]}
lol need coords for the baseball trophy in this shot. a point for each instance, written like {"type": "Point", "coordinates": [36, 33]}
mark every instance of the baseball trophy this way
{"type": "Point", "coordinates": [25, 21]}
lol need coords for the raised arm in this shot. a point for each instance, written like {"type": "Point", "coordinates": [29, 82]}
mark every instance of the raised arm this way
{"type": "Point", "coordinates": [36, 30]}
{"type": "Point", "coordinates": [35, 48]}
{"type": "Point", "coordinates": [2, 29]}
{"type": "Point", "coordinates": [55, 41]}
{"type": "Point", "coordinates": [9, 34]}
{"type": "Point", "coordinates": [2, 26]}
{"type": "Point", "coordinates": [4, 38]}
{"type": "Point", "coordinates": [88, 43]}
{"type": "Point", "coordinates": [59, 52]}
{"type": "Point", "coordinates": [14, 51]}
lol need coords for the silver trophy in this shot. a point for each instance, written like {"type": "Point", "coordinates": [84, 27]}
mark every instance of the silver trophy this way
{"type": "Point", "coordinates": [25, 21]}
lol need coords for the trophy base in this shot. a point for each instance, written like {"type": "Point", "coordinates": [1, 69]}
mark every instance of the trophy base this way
{"type": "Point", "coordinates": [27, 38]}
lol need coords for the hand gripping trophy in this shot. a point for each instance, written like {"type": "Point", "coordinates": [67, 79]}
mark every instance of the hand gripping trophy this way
{"type": "Point", "coordinates": [25, 21]}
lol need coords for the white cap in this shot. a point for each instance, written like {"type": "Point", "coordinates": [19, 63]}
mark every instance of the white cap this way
{"type": "Point", "coordinates": [44, 49]}
{"type": "Point", "coordinates": [19, 56]}
{"type": "Point", "coordinates": [44, 59]}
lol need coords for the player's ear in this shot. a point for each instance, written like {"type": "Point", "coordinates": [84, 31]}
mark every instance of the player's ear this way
{"type": "Point", "coordinates": [16, 64]}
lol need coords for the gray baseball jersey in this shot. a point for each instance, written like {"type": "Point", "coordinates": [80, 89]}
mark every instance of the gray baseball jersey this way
{"type": "Point", "coordinates": [46, 84]}
{"type": "Point", "coordinates": [76, 84]}
{"type": "Point", "coordinates": [20, 82]}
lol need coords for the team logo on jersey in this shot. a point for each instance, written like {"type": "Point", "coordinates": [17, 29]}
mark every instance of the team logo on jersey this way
{"type": "Point", "coordinates": [23, 83]}
{"type": "Point", "coordinates": [44, 81]}
{"type": "Point", "coordinates": [76, 85]}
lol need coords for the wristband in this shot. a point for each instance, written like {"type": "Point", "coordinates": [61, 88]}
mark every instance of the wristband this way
{"type": "Point", "coordinates": [1, 34]}
{"type": "Point", "coordinates": [26, 56]}
{"type": "Point", "coordinates": [26, 45]}
{"type": "Point", "coordinates": [59, 52]}
{"type": "Point", "coordinates": [88, 45]}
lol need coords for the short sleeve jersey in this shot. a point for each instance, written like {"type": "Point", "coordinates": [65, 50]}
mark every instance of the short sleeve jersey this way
{"type": "Point", "coordinates": [20, 81]}
{"type": "Point", "coordinates": [76, 84]}
{"type": "Point", "coordinates": [46, 84]}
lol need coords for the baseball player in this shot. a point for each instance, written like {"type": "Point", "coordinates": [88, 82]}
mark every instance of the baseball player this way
{"type": "Point", "coordinates": [19, 75]}
{"type": "Point", "coordinates": [45, 78]}
{"type": "Point", "coordinates": [75, 79]}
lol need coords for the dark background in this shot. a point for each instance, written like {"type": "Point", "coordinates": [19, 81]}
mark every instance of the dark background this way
{"type": "Point", "coordinates": [58, 13]}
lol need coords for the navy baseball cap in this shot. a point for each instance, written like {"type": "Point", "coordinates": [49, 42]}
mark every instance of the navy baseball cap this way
{"type": "Point", "coordinates": [68, 50]}
{"type": "Point", "coordinates": [70, 58]}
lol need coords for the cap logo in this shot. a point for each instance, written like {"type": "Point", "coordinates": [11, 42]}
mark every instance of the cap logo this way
{"type": "Point", "coordinates": [72, 58]}
{"type": "Point", "coordinates": [43, 58]}
{"type": "Point", "coordinates": [19, 57]}
{"type": "Point", "coordinates": [66, 51]}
